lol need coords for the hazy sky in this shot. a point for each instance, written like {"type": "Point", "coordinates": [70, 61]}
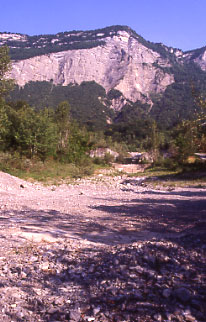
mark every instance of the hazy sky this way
{"type": "Point", "coordinates": [176, 23]}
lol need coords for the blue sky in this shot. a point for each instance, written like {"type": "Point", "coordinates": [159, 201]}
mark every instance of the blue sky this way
{"type": "Point", "coordinates": [176, 23]}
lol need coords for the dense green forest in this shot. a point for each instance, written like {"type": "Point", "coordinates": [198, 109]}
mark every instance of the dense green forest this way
{"type": "Point", "coordinates": [88, 101]}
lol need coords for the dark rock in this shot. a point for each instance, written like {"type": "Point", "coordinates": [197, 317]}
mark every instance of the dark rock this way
{"type": "Point", "coordinates": [196, 304]}
{"type": "Point", "coordinates": [182, 294]}
{"type": "Point", "coordinates": [166, 293]}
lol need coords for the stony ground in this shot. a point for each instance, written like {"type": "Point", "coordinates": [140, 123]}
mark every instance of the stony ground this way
{"type": "Point", "coordinates": [105, 249]}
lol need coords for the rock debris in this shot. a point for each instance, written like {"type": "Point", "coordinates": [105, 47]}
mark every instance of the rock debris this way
{"type": "Point", "coordinates": [158, 277]}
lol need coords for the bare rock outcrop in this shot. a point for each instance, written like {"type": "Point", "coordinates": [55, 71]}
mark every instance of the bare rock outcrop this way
{"type": "Point", "coordinates": [197, 56]}
{"type": "Point", "coordinates": [122, 62]}
{"type": "Point", "coordinates": [201, 60]}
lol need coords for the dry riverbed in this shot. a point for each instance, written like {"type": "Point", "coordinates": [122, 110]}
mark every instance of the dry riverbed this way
{"type": "Point", "coordinates": [102, 249]}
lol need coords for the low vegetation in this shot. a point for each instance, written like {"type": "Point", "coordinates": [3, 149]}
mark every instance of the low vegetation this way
{"type": "Point", "coordinates": [159, 178]}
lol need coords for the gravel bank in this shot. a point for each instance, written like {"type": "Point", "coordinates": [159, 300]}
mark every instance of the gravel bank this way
{"type": "Point", "coordinates": [105, 249]}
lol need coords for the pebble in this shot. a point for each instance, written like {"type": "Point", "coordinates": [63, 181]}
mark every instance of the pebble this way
{"type": "Point", "coordinates": [96, 310]}
{"type": "Point", "coordinates": [158, 317]}
{"type": "Point", "coordinates": [74, 315]}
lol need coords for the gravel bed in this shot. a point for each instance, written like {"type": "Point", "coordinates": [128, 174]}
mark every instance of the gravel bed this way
{"type": "Point", "coordinates": [104, 250]}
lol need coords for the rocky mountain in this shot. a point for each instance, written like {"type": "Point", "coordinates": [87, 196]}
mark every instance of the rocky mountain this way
{"type": "Point", "coordinates": [116, 58]}
{"type": "Point", "coordinates": [198, 56]}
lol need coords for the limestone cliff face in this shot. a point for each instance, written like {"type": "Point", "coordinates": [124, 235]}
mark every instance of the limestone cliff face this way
{"type": "Point", "coordinates": [197, 56]}
{"type": "Point", "coordinates": [122, 63]}
{"type": "Point", "coordinates": [199, 59]}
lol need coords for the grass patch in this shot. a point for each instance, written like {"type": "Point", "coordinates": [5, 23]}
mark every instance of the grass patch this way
{"type": "Point", "coordinates": [163, 177]}
{"type": "Point", "coordinates": [48, 172]}
{"type": "Point", "coordinates": [179, 178]}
